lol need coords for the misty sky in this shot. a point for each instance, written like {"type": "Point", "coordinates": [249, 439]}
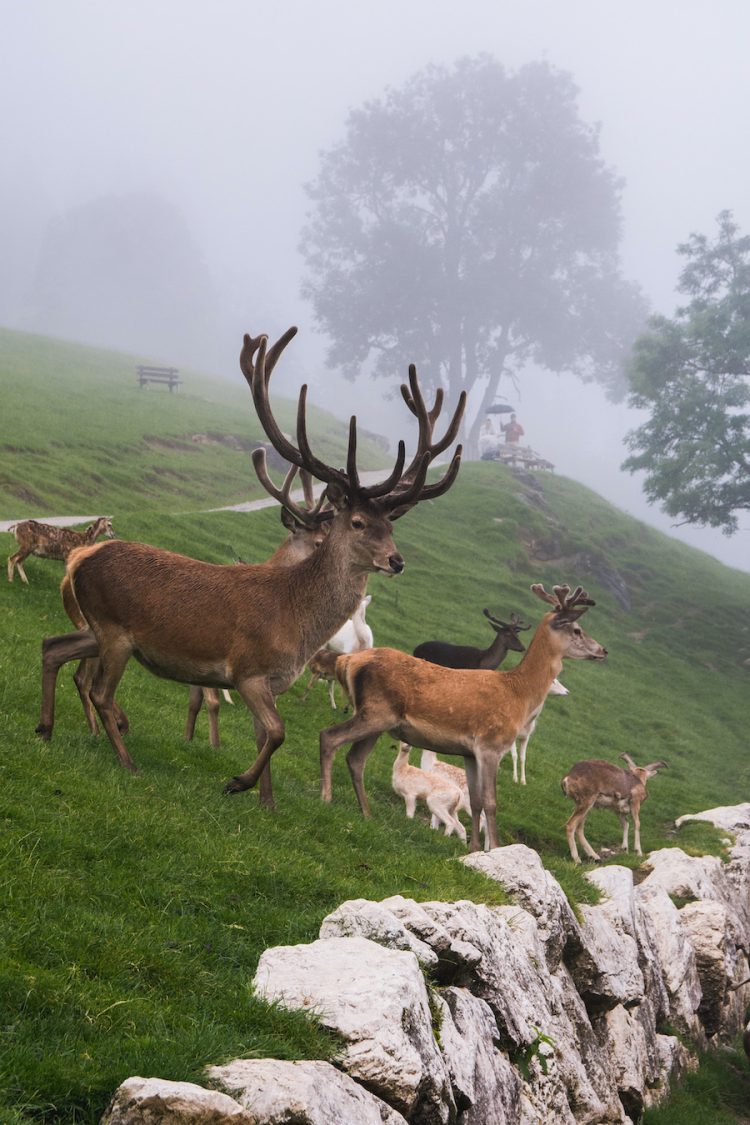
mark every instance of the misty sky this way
{"type": "Point", "coordinates": [222, 107]}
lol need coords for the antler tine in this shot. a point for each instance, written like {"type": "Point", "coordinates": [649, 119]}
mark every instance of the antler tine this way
{"type": "Point", "coordinates": [302, 515]}
{"type": "Point", "coordinates": [275, 351]}
{"type": "Point", "coordinates": [351, 453]}
{"type": "Point", "coordinates": [538, 589]}
{"type": "Point", "coordinates": [414, 399]}
{"type": "Point", "coordinates": [561, 593]}
{"type": "Point", "coordinates": [306, 480]}
{"type": "Point", "coordinates": [431, 491]}
{"type": "Point", "coordinates": [517, 622]}
{"type": "Point", "coordinates": [383, 487]}
{"type": "Point", "coordinates": [257, 375]}
{"type": "Point", "coordinates": [309, 461]}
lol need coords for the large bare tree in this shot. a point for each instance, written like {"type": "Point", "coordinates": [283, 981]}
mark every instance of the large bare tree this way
{"type": "Point", "coordinates": [468, 221]}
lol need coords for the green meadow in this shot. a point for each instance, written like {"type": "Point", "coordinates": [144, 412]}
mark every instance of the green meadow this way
{"type": "Point", "coordinates": [136, 907]}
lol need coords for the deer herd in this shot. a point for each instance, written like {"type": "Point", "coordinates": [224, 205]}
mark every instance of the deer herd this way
{"type": "Point", "coordinates": [255, 628]}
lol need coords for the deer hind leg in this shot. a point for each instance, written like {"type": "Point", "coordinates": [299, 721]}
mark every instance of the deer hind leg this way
{"type": "Point", "coordinates": [443, 806]}
{"type": "Point", "coordinates": [332, 693]}
{"type": "Point", "coordinates": [108, 672]}
{"type": "Point", "coordinates": [514, 759]}
{"type": "Point", "coordinates": [211, 697]}
{"type": "Point", "coordinates": [16, 561]}
{"type": "Point", "coordinates": [475, 800]}
{"type": "Point", "coordinates": [574, 827]}
{"type": "Point", "coordinates": [625, 824]}
{"type": "Point", "coordinates": [269, 728]}
{"type": "Point", "coordinates": [195, 702]}
{"type": "Point", "coordinates": [356, 757]}
{"type": "Point", "coordinates": [57, 651]}
{"type": "Point", "coordinates": [357, 728]}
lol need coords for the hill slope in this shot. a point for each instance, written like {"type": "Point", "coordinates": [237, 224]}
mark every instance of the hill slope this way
{"type": "Point", "coordinates": [77, 430]}
{"type": "Point", "coordinates": [138, 906]}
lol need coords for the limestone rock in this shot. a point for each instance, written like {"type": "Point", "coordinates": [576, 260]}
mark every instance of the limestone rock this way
{"type": "Point", "coordinates": [361, 918]}
{"type": "Point", "coordinates": [732, 818]}
{"type": "Point", "coordinates": [520, 871]}
{"type": "Point", "coordinates": [720, 964]}
{"type": "Point", "coordinates": [376, 999]}
{"type": "Point", "coordinates": [676, 957]}
{"type": "Point", "coordinates": [276, 1092]}
{"type": "Point", "coordinates": [486, 1086]}
{"type": "Point", "coordinates": [153, 1101]}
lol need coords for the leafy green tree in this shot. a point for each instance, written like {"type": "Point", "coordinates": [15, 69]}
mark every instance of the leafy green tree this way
{"type": "Point", "coordinates": [467, 222]}
{"type": "Point", "coordinates": [693, 374]}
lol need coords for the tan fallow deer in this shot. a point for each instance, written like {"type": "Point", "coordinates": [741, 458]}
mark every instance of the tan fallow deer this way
{"type": "Point", "coordinates": [253, 628]}
{"type": "Point", "coordinates": [49, 542]}
{"type": "Point", "coordinates": [474, 714]}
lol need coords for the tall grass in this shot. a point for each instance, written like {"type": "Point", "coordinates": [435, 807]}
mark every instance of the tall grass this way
{"type": "Point", "coordinates": [137, 906]}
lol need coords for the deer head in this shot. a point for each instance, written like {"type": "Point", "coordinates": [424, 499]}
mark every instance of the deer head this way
{"type": "Point", "coordinates": [568, 607]}
{"type": "Point", "coordinates": [509, 632]}
{"type": "Point", "coordinates": [362, 513]}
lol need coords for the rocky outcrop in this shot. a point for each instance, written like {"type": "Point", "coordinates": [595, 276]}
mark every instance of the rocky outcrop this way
{"type": "Point", "coordinates": [465, 1014]}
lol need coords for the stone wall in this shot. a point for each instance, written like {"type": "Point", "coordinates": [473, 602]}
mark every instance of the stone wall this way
{"type": "Point", "coordinates": [464, 1014]}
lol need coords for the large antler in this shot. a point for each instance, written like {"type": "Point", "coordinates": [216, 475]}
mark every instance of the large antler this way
{"type": "Point", "coordinates": [563, 601]}
{"type": "Point", "coordinates": [309, 516]}
{"type": "Point", "coordinates": [401, 490]}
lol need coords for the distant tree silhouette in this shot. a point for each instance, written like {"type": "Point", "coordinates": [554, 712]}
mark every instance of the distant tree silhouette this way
{"type": "Point", "coordinates": [693, 374]}
{"type": "Point", "coordinates": [468, 223]}
{"type": "Point", "coordinates": [124, 272]}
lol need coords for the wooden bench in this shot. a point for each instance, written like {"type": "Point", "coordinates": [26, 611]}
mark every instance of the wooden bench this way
{"type": "Point", "coordinates": [168, 375]}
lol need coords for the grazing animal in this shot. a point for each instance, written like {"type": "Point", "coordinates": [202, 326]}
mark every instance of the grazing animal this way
{"type": "Point", "coordinates": [596, 784]}
{"type": "Point", "coordinates": [254, 628]}
{"type": "Point", "coordinates": [49, 542]}
{"type": "Point", "coordinates": [474, 714]}
{"type": "Point", "coordinates": [355, 635]}
{"type": "Point", "coordinates": [441, 795]}
{"type": "Point", "coordinates": [465, 656]}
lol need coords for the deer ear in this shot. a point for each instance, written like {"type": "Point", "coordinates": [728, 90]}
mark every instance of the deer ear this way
{"type": "Point", "coordinates": [567, 617]}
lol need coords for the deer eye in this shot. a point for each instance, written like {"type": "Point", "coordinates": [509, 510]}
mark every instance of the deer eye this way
{"type": "Point", "coordinates": [357, 523]}
{"type": "Point", "coordinates": [578, 631]}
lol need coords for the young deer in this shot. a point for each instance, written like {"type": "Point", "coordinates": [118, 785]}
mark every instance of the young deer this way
{"type": "Point", "coordinates": [49, 542]}
{"type": "Point", "coordinates": [355, 635]}
{"type": "Point", "coordinates": [465, 656]}
{"type": "Point", "coordinates": [595, 784]}
{"type": "Point", "coordinates": [441, 795]}
{"type": "Point", "coordinates": [474, 714]}
{"type": "Point", "coordinates": [254, 627]}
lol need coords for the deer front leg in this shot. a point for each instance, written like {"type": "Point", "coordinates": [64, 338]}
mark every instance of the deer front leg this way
{"type": "Point", "coordinates": [625, 826]}
{"type": "Point", "coordinates": [259, 699]}
{"type": "Point", "coordinates": [475, 800]}
{"type": "Point", "coordinates": [490, 760]}
{"type": "Point", "coordinates": [195, 702]}
{"type": "Point", "coordinates": [637, 829]}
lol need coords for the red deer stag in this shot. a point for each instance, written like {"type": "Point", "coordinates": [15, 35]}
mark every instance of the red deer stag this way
{"type": "Point", "coordinates": [254, 628]}
{"type": "Point", "coordinates": [476, 715]}
{"type": "Point", "coordinates": [57, 651]}
{"type": "Point", "coordinates": [49, 542]}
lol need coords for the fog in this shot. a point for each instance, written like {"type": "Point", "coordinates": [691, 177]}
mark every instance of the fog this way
{"type": "Point", "coordinates": [220, 109]}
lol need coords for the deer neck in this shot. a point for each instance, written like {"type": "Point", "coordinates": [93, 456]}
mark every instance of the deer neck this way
{"type": "Point", "coordinates": [325, 591]}
{"type": "Point", "coordinates": [539, 666]}
{"type": "Point", "coordinates": [495, 654]}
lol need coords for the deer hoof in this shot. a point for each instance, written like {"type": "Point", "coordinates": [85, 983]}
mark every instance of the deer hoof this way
{"type": "Point", "coordinates": [234, 786]}
{"type": "Point", "coordinates": [44, 732]}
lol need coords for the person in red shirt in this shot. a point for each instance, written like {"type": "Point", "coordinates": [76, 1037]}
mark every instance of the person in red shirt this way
{"type": "Point", "coordinates": [513, 431]}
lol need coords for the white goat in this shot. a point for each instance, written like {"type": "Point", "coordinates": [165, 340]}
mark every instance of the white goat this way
{"type": "Point", "coordinates": [355, 635]}
{"type": "Point", "coordinates": [441, 795]}
{"type": "Point", "coordinates": [596, 784]}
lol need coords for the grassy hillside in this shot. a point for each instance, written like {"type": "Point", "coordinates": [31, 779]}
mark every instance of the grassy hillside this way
{"type": "Point", "coordinates": [78, 431]}
{"type": "Point", "coordinates": [138, 905]}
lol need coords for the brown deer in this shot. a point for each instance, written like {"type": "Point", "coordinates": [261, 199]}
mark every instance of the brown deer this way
{"type": "Point", "coordinates": [300, 542]}
{"type": "Point", "coordinates": [474, 714]}
{"type": "Point", "coordinates": [49, 542]}
{"type": "Point", "coordinates": [596, 784]}
{"type": "Point", "coordinates": [254, 628]}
